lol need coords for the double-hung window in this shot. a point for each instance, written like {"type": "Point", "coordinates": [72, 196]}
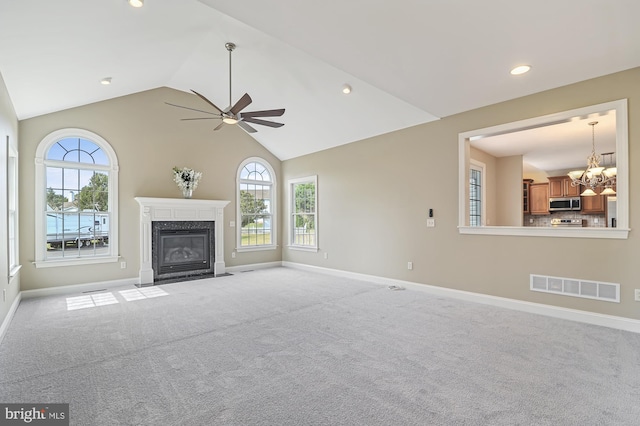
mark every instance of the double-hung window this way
{"type": "Point", "coordinates": [303, 221]}
{"type": "Point", "coordinates": [256, 202]}
{"type": "Point", "coordinates": [76, 199]}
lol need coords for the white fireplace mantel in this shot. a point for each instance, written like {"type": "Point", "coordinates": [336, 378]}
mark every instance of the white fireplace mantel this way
{"type": "Point", "coordinates": [178, 209]}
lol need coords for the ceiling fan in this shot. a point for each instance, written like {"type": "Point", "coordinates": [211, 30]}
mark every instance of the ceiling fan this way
{"type": "Point", "coordinates": [233, 114]}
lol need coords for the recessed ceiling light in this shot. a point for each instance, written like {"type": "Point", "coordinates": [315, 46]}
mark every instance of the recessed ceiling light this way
{"type": "Point", "coordinates": [136, 3]}
{"type": "Point", "coordinates": [346, 89]}
{"type": "Point", "coordinates": [106, 81]}
{"type": "Point", "coordinates": [520, 69]}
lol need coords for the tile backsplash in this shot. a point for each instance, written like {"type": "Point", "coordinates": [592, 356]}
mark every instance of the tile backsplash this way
{"type": "Point", "coordinates": [593, 220]}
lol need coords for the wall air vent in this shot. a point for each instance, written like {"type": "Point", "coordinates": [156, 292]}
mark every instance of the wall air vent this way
{"type": "Point", "coordinates": [609, 292]}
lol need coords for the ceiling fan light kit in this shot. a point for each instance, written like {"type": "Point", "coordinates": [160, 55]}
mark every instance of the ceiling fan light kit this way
{"type": "Point", "coordinates": [232, 114]}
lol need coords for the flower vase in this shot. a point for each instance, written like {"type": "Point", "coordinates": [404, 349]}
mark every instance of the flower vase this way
{"type": "Point", "coordinates": [187, 192]}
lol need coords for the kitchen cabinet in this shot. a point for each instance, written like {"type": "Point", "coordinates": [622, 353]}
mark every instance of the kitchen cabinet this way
{"type": "Point", "coordinates": [595, 204]}
{"type": "Point", "coordinates": [560, 186]}
{"type": "Point", "coordinates": [526, 183]}
{"type": "Point", "coordinates": [539, 198]}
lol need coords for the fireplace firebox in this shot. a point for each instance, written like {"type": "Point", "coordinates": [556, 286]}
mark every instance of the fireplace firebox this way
{"type": "Point", "coordinates": [182, 249]}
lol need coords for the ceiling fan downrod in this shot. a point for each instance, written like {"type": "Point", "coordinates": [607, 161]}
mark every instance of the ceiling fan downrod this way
{"type": "Point", "coordinates": [230, 47]}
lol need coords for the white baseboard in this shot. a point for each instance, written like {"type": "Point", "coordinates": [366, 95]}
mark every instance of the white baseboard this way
{"type": "Point", "coordinates": [78, 288]}
{"type": "Point", "coordinates": [7, 319]}
{"type": "Point", "coordinates": [611, 321]}
{"type": "Point", "coordinates": [252, 267]}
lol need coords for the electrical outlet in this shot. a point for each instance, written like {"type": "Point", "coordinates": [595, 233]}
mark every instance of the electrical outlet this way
{"type": "Point", "coordinates": [123, 265]}
{"type": "Point", "coordinates": [431, 223]}
{"type": "Point", "coordinates": [232, 224]}
{"type": "Point", "coordinates": [637, 294]}
{"type": "Point", "coordinates": [233, 254]}
{"type": "Point", "coordinates": [409, 265]}
{"type": "Point", "coordinates": [326, 255]}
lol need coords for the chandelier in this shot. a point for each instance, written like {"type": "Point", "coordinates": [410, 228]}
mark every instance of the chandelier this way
{"type": "Point", "coordinates": [594, 175]}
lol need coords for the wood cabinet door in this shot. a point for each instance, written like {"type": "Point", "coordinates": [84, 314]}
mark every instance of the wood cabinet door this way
{"type": "Point", "coordinates": [539, 198]}
{"type": "Point", "coordinates": [570, 190]}
{"type": "Point", "coordinates": [593, 204]}
{"type": "Point", "coordinates": [556, 187]}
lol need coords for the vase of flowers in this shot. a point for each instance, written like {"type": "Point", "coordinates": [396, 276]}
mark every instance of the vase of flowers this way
{"type": "Point", "coordinates": [187, 180]}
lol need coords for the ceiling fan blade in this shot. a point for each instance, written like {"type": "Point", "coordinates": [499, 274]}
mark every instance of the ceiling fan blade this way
{"type": "Point", "coordinates": [201, 118]}
{"type": "Point", "coordinates": [241, 104]}
{"type": "Point", "coordinates": [219, 126]}
{"type": "Point", "coordinates": [262, 122]}
{"type": "Point", "coordinates": [266, 113]}
{"type": "Point", "coordinates": [207, 101]}
{"type": "Point", "coordinates": [246, 127]}
{"type": "Point", "coordinates": [192, 109]}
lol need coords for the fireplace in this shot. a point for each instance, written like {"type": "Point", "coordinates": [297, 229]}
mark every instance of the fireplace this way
{"type": "Point", "coordinates": [191, 233]}
{"type": "Point", "coordinates": [182, 249]}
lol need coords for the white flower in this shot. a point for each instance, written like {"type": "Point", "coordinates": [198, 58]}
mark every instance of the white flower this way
{"type": "Point", "coordinates": [186, 178]}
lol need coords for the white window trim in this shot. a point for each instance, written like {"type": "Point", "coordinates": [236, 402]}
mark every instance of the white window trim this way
{"type": "Point", "coordinates": [622, 181]}
{"type": "Point", "coordinates": [274, 203]}
{"type": "Point", "coordinates": [309, 179]}
{"type": "Point", "coordinates": [477, 165]}
{"type": "Point", "coordinates": [40, 193]}
{"type": "Point", "coordinates": [12, 204]}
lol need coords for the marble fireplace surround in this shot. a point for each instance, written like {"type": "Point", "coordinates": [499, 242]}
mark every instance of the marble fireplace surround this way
{"type": "Point", "coordinates": [178, 209]}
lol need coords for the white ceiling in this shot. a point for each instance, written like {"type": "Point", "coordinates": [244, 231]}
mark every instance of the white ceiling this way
{"type": "Point", "coordinates": [409, 62]}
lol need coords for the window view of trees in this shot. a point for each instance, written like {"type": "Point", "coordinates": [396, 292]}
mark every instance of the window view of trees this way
{"type": "Point", "coordinates": [255, 198]}
{"type": "Point", "coordinates": [304, 219]}
{"type": "Point", "coordinates": [252, 208]}
{"type": "Point", "coordinates": [55, 201]}
{"type": "Point", "coordinates": [95, 195]}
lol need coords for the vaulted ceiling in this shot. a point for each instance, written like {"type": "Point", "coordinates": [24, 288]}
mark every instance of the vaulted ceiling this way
{"type": "Point", "coordinates": [408, 62]}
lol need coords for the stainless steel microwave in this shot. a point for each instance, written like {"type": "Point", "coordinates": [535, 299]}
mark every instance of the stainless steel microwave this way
{"type": "Point", "coordinates": [559, 204]}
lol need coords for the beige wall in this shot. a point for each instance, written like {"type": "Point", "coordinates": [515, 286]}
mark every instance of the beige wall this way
{"type": "Point", "coordinates": [374, 196]}
{"type": "Point", "coordinates": [509, 191]}
{"type": "Point", "coordinates": [8, 129]}
{"type": "Point", "coordinates": [149, 140]}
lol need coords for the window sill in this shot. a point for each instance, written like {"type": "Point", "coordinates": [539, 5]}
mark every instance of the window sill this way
{"type": "Point", "coordinates": [14, 271]}
{"type": "Point", "coordinates": [303, 248]}
{"type": "Point", "coordinates": [74, 262]}
{"type": "Point", "coordinates": [604, 233]}
{"type": "Point", "coordinates": [255, 248]}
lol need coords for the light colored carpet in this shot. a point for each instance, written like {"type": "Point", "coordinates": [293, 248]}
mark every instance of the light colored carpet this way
{"type": "Point", "coordinates": [285, 347]}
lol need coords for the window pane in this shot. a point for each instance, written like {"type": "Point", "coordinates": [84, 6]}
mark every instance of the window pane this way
{"type": "Point", "coordinates": [55, 200]}
{"type": "Point", "coordinates": [77, 150]}
{"type": "Point", "coordinates": [70, 179]}
{"type": "Point", "coordinates": [54, 177]}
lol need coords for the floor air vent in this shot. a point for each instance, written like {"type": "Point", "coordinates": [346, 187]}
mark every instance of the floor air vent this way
{"type": "Point", "coordinates": [609, 292]}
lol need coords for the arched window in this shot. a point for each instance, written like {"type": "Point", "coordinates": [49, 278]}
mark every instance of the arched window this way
{"type": "Point", "coordinates": [256, 204]}
{"type": "Point", "coordinates": [76, 199]}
